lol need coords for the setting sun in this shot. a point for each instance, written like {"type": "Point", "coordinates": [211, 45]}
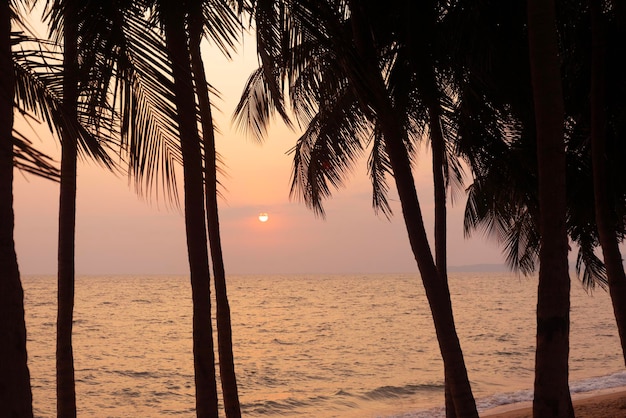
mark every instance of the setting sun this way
{"type": "Point", "coordinates": [263, 217]}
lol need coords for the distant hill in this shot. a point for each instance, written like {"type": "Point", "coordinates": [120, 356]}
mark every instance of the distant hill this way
{"type": "Point", "coordinates": [479, 268]}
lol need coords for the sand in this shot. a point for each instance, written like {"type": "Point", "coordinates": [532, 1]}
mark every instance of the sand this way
{"type": "Point", "coordinates": [610, 403]}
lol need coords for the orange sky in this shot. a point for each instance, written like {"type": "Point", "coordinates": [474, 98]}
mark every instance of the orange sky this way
{"type": "Point", "coordinates": [119, 233]}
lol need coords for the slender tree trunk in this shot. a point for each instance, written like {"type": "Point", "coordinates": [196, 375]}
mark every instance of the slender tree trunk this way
{"type": "Point", "coordinates": [224, 329]}
{"type": "Point", "coordinates": [204, 357]}
{"type": "Point", "coordinates": [437, 291]}
{"type": "Point", "coordinates": [439, 185]}
{"type": "Point", "coordinates": [552, 396]}
{"type": "Point", "coordinates": [15, 392]}
{"type": "Point", "coordinates": [372, 92]}
{"type": "Point", "coordinates": [66, 392]}
{"type": "Point", "coordinates": [605, 217]}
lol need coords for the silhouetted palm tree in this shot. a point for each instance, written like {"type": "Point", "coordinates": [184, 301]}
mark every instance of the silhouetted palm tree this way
{"type": "Point", "coordinates": [66, 390]}
{"type": "Point", "coordinates": [15, 397]}
{"type": "Point", "coordinates": [107, 81]}
{"type": "Point", "coordinates": [173, 19]}
{"type": "Point", "coordinates": [540, 109]}
{"type": "Point", "coordinates": [607, 219]}
{"type": "Point", "coordinates": [551, 396]}
{"type": "Point", "coordinates": [347, 77]}
{"type": "Point", "coordinates": [224, 35]}
{"type": "Point", "coordinates": [28, 80]}
{"type": "Point", "coordinates": [512, 212]}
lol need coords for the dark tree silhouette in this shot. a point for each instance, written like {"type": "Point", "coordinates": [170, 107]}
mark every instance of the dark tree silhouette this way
{"type": "Point", "coordinates": [177, 40]}
{"type": "Point", "coordinates": [346, 76]}
{"type": "Point", "coordinates": [552, 397]}
{"type": "Point", "coordinates": [15, 392]}
{"type": "Point", "coordinates": [228, 378]}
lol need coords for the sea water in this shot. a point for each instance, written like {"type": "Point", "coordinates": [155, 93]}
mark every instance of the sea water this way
{"type": "Point", "coordinates": [309, 345]}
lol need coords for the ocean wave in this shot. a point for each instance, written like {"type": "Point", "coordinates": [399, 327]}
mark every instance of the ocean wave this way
{"type": "Point", "coordinates": [581, 386]}
{"type": "Point", "coordinates": [597, 383]}
{"type": "Point", "coordinates": [137, 374]}
{"type": "Point", "coordinates": [280, 342]}
{"type": "Point", "coordinates": [288, 406]}
{"type": "Point", "coordinates": [509, 398]}
{"type": "Point", "coordinates": [386, 392]}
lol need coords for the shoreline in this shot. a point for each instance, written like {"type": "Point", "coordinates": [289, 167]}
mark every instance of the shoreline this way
{"type": "Point", "coordinates": [607, 403]}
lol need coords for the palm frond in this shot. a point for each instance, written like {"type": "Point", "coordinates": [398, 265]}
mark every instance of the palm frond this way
{"type": "Point", "coordinates": [325, 154]}
{"type": "Point", "coordinates": [143, 93]}
{"type": "Point", "coordinates": [38, 86]}
{"type": "Point", "coordinates": [221, 24]}
{"type": "Point", "coordinates": [379, 168]}
{"type": "Point", "coordinates": [254, 111]}
{"type": "Point", "coordinates": [30, 160]}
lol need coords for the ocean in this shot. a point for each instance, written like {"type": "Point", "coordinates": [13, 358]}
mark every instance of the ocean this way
{"type": "Point", "coordinates": [320, 346]}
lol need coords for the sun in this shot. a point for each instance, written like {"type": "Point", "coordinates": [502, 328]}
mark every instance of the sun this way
{"type": "Point", "coordinates": [263, 217]}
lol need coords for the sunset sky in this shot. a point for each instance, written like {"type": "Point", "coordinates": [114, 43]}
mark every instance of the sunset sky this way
{"type": "Point", "coordinates": [120, 233]}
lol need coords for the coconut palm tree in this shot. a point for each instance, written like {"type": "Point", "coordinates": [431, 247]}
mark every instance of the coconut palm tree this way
{"type": "Point", "coordinates": [552, 396]}
{"type": "Point", "coordinates": [489, 204]}
{"type": "Point", "coordinates": [28, 81]}
{"type": "Point", "coordinates": [66, 392]}
{"type": "Point", "coordinates": [537, 122]}
{"type": "Point", "coordinates": [173, 18]}
{"type": "Point", "coordinates": [197, 20]}
{"type": "Point", "coordinates": [99, 37]}
{"type": "Point", "coordinates": [347, 77]}
{"type": "Point", "coordinates": [606, 215]}
{"type": "Point", "coordinates": [16, 397]}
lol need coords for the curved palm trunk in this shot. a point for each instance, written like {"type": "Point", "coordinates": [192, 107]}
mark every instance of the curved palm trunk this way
{"type": "Point", "coordinates": [605, 217]}
{"type": "Point", "coordinates": [204, 358]}
{"type": "Point", "coordinates": [15, 392]}
{"type": "Point", "coordinates": [224, 330]}
{"type": "Point", "coordinates": [372, 92]}
{"type": "Point", "coordinates": [441, 258]}
{"type": "Point", "coordinates": [66, 392]}
{"type": "Point", "coordinates": [552, 397]}
{"type": "Point", "coordinates": [437, 291]}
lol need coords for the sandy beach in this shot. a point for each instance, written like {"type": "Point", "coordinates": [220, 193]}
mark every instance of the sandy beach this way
{"type": "Point", "coordinates": [610, 403]}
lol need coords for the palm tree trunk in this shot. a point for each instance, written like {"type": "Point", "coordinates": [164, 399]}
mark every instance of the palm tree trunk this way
{"type": "Point", "coordinates": [552, 397]}
{"type": "Point", "coordinates": [15, 395]}
{"type": "Point", "coordinates": [204, 357]}
{"type": "Point", "coordinates": [437, 291]}
{"type": "Point", "coordinates": [605, 217]}
{"type": "Point", "coordinates": [228, 377]}
{"type": "Point", "coordinates": [441, 245]}
{"type": "Point", "coordinates": [371, 90]}
{"type": "Point", "coordinates": [66, 392]}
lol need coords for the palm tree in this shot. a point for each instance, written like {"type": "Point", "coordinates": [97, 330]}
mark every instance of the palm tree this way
{"type": "Point", "coordinates": [605, 214]}
{"type": "Point", "coordinates": [512, 213]}
{"type": "Point", "coordinates": [224, 330]}
{"type": "Point", "coordinates": [173, 18]}
{"type": "Point", "coordinates": [16, 397]}
{"type": "Point", "coordinates": [120, 47]}
{"type": "Point", "coordinates": [66, 391]}
{"type": "Point", "coordinates": [552, 396]}
{"type": "Point", "coordinates": [509, 103]}
{"type": "Point", "coordinates": [498, 139]}
{"type": "Point", "coordinates": [28, 81]}
{"type": "Point", "coordinates": [357, 79]}
{"type": "Point", "coordinates": [104, 34]}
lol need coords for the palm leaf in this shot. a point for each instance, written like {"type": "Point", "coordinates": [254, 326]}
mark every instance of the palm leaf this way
{"type": "Point", "coordinates": [30, 160]}
{"type": "Point", "coordinates": [37, 92]}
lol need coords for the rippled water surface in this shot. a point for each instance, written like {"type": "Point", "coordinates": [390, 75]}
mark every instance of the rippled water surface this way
{"type": "Point", "coordinates": [311, 346]}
